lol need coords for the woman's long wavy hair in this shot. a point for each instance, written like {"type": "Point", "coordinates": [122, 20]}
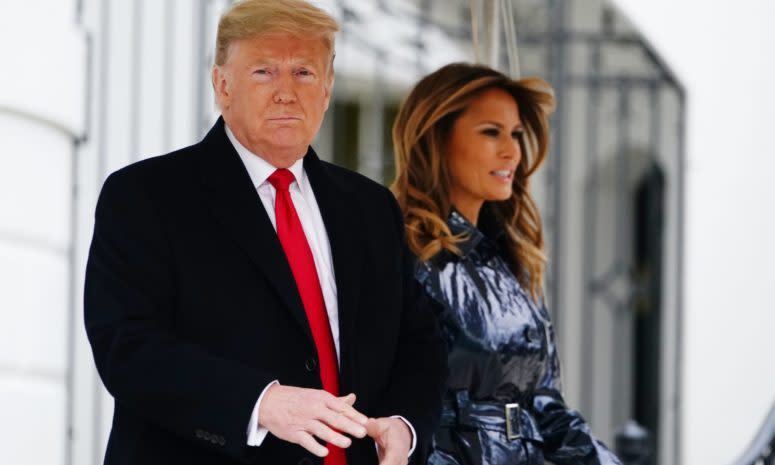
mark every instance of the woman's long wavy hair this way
{"type": "Point", "coordinates": [420, 135]}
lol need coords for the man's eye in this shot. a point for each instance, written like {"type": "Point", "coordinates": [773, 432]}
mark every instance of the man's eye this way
{"type": "Point", "coordinates": [262, 71]}
{"type": "Point", "coordinates": [304, 72]}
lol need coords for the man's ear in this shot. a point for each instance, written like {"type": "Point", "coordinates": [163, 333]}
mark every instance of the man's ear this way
{"type": "Point", "coordinates": [221, 87]}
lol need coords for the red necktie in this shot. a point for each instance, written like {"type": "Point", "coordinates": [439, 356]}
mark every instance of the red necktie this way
{"type": "Point", "coordinates": [299, 255]}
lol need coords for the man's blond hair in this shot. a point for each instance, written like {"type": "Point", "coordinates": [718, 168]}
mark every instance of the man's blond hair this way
{"type": "Point", "coordinates": [248, 19]}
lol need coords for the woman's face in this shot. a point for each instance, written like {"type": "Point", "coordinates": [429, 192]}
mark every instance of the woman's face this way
{"type": "Point", "coordinates": [483, 152]}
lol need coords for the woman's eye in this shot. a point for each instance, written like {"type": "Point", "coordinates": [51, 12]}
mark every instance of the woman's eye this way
{"type": "Point", "coordinates": [491, 132]}
{"type": "Point", "coordinates": [517, 135]}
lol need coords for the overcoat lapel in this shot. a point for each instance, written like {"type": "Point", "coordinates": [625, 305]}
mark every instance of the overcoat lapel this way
{"type": "Point", "coordinates": [236, 205]}
{"type": "Point", "coordinates": [344, 225]}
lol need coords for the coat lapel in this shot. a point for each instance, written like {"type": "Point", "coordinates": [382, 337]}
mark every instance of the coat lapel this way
{"type": "Point", "coordinates": [343, 222]}
{"type": "Point", "coordinates": [237, 206]}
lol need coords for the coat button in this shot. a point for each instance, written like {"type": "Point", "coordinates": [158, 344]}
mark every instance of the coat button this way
{"type": "Point", "coordinates": [207, 436]}
{"type": "Point", "coordinates": [311, 364]}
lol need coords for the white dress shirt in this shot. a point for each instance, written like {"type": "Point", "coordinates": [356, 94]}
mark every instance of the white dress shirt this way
{"type": "Point", "coordinates": [315, 231]}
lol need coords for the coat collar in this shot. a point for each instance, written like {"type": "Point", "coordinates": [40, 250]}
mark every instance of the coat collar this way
{"type": "Point", "coordinates": [477, 243]}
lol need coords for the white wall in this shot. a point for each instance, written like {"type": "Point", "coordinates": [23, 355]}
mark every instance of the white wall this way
{"type": "Point", "coordinates": [145, 70]}
{"type": "Point", "coordinates": [723, 52]}
{"type": "Point", "coordinates": [41, 114]}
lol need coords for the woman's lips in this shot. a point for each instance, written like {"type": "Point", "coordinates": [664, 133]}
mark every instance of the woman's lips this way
{"type": "Point", "coordinates": [503, 175]}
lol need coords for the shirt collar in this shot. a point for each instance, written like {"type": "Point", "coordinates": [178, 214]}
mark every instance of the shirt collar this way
{"type": "Point", "coordinates": [259, 169]}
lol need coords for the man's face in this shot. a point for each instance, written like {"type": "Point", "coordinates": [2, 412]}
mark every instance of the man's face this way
{"type": "Point", "coordinates": [273, 92]}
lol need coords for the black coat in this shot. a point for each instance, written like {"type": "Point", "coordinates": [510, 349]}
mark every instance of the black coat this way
{"type": "Point", "coordinates": [502, 351]}
{"type": "Point", "coordinates": [191, 309]}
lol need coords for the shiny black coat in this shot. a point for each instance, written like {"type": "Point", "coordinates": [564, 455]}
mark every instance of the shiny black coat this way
{"type": "Point", "coordinates": [501, 350]}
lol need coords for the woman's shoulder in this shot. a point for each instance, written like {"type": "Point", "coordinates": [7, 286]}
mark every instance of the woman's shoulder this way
{"type": "Point", "coordinates": [424, 270]}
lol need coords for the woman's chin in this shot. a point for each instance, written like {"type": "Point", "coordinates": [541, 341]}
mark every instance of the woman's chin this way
{"type": "Point", "coordinates": [500, 196]}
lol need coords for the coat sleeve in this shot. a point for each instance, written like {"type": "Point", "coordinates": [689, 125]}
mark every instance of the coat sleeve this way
{"type": "Point", "coordinates": [420, 368]}
{"type": "Point", "coordinates": [129, 306]}
{"type": "Point", "coordinates": [567, 437]}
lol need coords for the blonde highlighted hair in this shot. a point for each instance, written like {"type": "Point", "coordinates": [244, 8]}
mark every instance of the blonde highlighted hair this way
{"type": "Point", "coordinates": [420, 136]}
{"type": "Point", "coordinates": [247, 19]}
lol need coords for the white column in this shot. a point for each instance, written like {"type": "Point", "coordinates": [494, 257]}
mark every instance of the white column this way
{"type": "Point", "coordinates": [41, 115]}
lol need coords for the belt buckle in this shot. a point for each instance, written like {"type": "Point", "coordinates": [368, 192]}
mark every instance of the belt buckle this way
{"type": "Point", "coordinates": [513, 426]}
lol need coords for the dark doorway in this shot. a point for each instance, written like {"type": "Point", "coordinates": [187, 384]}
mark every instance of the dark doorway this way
{"type": "Point", "coordinates": [647, 312]}
{"type": "Point", "coordinates": [346, 115]}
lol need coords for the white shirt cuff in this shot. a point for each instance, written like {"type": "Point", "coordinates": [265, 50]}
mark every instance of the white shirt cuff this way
{"type": "Point", "coordinates": [411, 428]}
{"type": "Point", "coordinates": [256, 432]}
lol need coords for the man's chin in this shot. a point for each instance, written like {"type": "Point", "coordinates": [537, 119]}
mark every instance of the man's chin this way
{"type": "Point", "coordinates": [288, 138]}
{"type": "Point", "coordinates": [287, 151]}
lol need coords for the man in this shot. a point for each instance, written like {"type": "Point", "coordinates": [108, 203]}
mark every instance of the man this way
{"type": "Point", "coordinates": [247, 302]}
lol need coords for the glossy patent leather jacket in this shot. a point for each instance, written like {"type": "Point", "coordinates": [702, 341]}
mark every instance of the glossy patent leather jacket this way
{"type": "Point", "coordinates": [501, 350]}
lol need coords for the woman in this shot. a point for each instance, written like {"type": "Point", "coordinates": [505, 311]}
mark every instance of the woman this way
{"type": "Point", "coordinates": [467, 140]}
